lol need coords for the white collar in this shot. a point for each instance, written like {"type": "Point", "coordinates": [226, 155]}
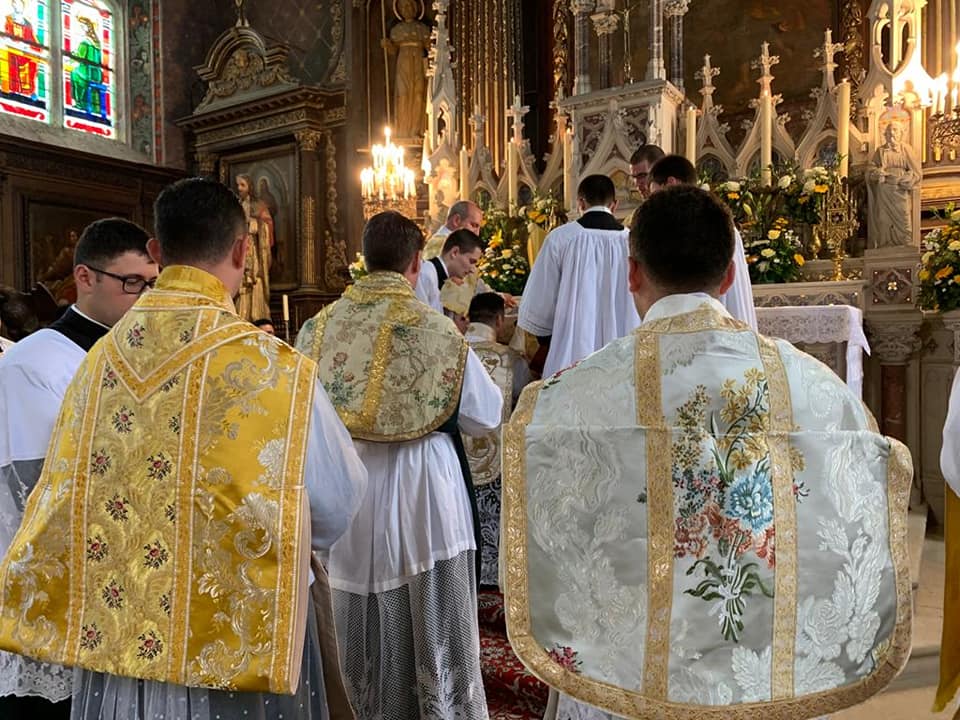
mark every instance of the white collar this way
{"type": "Point", "coordinates": [82, 314]}
{"type": "Point", "coordinates": [480, 332]}
{"type": "Point", "coordinates": [598, 208]}
{"type": "Point", "coordinates": [682, 303]}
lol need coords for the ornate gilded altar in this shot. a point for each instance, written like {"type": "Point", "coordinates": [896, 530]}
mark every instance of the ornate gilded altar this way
{"type": "Point", "coordinates": [289, 141]}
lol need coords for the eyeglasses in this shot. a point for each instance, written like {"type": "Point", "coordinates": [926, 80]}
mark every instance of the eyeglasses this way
{"type": "Point", "coordinates": [132, 284]}
{"type": "Point", "coordinates": [638, 176]}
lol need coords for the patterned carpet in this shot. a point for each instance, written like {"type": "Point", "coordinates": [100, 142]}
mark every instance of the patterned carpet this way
{"type": "Point", "coordinates": [512, 692]}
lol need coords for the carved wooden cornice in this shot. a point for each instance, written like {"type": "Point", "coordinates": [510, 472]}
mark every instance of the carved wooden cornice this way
{"type": "Point", "coordinates": [298, 110]}
{"type": "Point", "coordinates": [240, 66]}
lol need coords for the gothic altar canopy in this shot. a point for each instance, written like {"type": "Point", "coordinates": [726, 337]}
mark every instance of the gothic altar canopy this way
{"type": "Point", "coordinates": [831, 131]}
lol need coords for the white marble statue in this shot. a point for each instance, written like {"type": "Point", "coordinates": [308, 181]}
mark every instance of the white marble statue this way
{"type": "Point", "coordinates": [892, 179]}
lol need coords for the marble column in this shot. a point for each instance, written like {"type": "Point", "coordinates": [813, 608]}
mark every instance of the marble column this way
{"type": "Point", "coordinates": [893, 341]}
{"type": "Point", "coordinates": [581, 45]}
{"type": "Point", "coordinates": [605, 24]}
{"type": "Point", "coordinates": [655, 66]}
{"type": "Point", "coordinates": [675, 10]}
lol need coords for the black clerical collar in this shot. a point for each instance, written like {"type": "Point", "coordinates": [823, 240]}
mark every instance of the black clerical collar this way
{"type": "Point", "coordinates": [599, 220]}
{"type": "Point", "coordinates": [441, 271]}
{"type": "Point", "coordinates": [78, 328]}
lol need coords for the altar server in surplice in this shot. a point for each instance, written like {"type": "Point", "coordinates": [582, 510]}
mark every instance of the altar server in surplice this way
{"type": "Point", "coordinates": [111, 269]}
{"type": "Point", "coordinates": [405, 383]}
{"type": "Point", "coordinates": [577, 300]}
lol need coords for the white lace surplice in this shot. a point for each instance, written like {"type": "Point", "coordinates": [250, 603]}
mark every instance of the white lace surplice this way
{"type": "Point", "coordinates": [34, 375]}
{"type": "Point", "coordinates": [403, 575]}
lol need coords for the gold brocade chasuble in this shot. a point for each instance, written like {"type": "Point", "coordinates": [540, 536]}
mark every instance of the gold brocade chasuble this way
{"type": "Point", "coordinates": [392, 366]}
{"type": "Point", "coordinates": [167, 537]}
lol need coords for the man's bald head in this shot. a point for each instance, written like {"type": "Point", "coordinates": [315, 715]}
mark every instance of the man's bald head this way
{"type": "Point", "coordinates": [465, 214]}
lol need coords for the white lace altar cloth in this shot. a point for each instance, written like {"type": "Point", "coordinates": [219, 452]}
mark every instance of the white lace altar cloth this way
{"type": "Point", "coordinates": [821, 324]}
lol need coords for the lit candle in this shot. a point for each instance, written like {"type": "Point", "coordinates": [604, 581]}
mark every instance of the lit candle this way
{"type": "Point", "coordinates": [692, 134]}
{"type": "Point", "coordinates": [286, 309]}
{"type": "Point", "coordinates": [843, 127]}
{"type": "Point", "coordinates": [464, 174]}
{"type": "Point", "coordinates": [766, 138]}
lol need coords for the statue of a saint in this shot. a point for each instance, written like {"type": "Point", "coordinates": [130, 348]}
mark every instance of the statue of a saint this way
{"type": "Point", "coordinates": [892, 179]}
{"type": "Point", "coordinates": [409, 39]}
{"type": "Point", "coordinates": [254, 299]}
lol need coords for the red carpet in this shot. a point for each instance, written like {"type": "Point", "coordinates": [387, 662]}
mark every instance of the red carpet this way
{"type": "Point", "coordinates": [512, 692]}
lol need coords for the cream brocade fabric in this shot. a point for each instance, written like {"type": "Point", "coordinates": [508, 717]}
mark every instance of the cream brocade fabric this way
{"type": "Point", "coordinates": [483, 451]}
{"type": "Point", "coordinates": [701, 523]}
{"type": "Point", "coordinates": [392, 366]}
{"type": "Point", "coordinates": [167, 537]}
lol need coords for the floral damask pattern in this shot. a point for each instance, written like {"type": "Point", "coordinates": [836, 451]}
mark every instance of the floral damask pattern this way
{"type": "Point", "coordinates": [723, 485]}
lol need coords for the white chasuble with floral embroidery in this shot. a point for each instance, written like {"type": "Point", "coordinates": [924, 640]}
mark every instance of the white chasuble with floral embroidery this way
{"type": "Point", "coordinates": [167, 538]}
{"type": "Point", "coordinates": [703, 523]}
{"type": "Point", "coordinates": [392, 366]}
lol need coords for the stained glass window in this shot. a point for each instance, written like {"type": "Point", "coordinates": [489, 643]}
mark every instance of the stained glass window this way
{"type": "Point", "coordinates": [88, 57]}
{"type": "Point", "coordinates": [24, 59]}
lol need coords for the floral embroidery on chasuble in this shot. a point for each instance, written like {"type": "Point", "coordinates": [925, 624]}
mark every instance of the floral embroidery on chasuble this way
{"type": "Point", "coordinates": [700, 523]}
{"type": "Point", "coordinates": [391, 365]}
{"type": "Point", "coordinates": [167, 538]}
{"type": "Point", "coordinates": [483, 451]}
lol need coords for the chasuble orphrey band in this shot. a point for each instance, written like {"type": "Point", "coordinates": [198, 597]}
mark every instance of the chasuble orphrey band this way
{"type": "Point", "coordinates": [703, 523]}
{"type": "Point", "coordinates": [168, 536]}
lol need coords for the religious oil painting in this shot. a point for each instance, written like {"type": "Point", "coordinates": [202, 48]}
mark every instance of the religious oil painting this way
{"type": "Point", "coordinates": [794, 31]}
{"type": "Point", "coordinates": [52, 235]}
{"type": "Point", "coordinates": [24, 59]}
{"type": "Point", "coordinates": [266, 184]}
{"type": "Point", "coordinates": [88, 76]}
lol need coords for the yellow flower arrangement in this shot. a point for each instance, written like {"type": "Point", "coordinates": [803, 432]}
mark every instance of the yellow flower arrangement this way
{"type": "Point", "coordinates": [939, 276]}
{"type": "Point", "coordinates": [358, 268]}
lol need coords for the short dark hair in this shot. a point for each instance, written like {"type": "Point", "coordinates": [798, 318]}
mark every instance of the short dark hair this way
{"type": "Point", "coordinates": [466, 240]}
{"type": "Point", "coordinates": [103, 241]}
{"type": "Point", "coordinates": [198, 220]}
{"type": "Point", "coordinates": [486, 307]}
{"type": "Point", "coordinates": [263, 321]}
{"type": "Point", "coordinates": [390, 241]}
{"type": "Point", "coordinates": [597, 190]}
{"type": "Point", "coordinates": [650, 153]}
{"type": "Point", "coordinates": [684, 239]}
{"type": "Point", "coordinates": [673, 166]}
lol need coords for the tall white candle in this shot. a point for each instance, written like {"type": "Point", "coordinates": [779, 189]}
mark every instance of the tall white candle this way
{"type": "Point", "coordinates": [691, 134]}
{"type": "Point", "coordinates": [569, 184]}
{"type": "Point", "coordinates": [286, 309]}
{"type": "Point", "coordinates": [464, 174]}
{"type": "Point", "coordinates": [843, 127]}
{"type": "Point", "coordinates": [512, 179]}
{"type": "Point", "coordinates": [766, 138]}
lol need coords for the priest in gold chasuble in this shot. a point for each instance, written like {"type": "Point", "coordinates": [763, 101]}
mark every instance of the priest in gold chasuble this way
{"type": "Point", "coordinates": [193, 465]}
{"type": "Point", "coordinates": [700, 522]}
{"type": "Point", "coordinates": [406, 384]}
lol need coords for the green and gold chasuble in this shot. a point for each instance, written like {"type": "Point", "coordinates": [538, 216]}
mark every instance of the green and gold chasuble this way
{"type": "Point", "coordinates": [392, 366]}
{"type": "Point", "coordinates": [700, 522]}
{"type": "Point", "coordinates": [168, 536]}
